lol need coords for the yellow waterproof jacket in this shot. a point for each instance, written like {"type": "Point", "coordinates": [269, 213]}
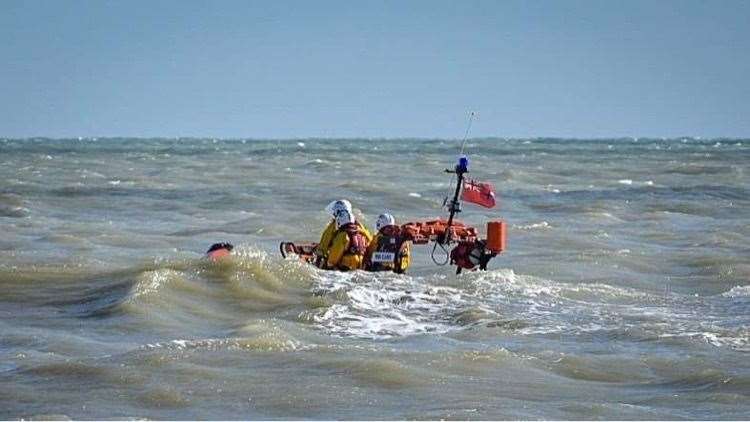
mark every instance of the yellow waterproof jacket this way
{"type": "Point", "coordinates": [326, 238]}
{"type": "Point", "coordinates": [340, 254]}
{"type": "Point", "coordinates": [379, 244]}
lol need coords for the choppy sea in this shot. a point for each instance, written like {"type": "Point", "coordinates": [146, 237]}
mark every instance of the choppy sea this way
{"type": "Point", "coordinates": [624, 292]}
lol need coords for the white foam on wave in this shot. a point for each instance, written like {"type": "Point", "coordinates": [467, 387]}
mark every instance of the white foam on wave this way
{"type": "Point", "coordinates": [540, 225]}
{"type": "Point", "coordinates": [376, 306]}
{"type": "Point", "coordinates": [383, 306]}
{"type": "Point", "coordinates": [739, 342]}
{"type": "Point", "coordinates": [604, 215]}
{"type": "Point", "coordinates": [230, 343]}
{"type": "Point", "coordinates": [250, 253]}
{"type": "Point", "coordinates": [630, 182]}
{"type": "Point", "coordinates": [552, 307]}
{"type": "Point", "coordinates": [738, 291]}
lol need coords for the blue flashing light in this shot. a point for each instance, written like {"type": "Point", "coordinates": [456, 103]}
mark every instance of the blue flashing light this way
{"type": "Point", "coordinates": [463, 164]}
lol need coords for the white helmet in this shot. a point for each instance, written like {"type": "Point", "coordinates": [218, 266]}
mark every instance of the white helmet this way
{"type": "Point", "coordinates": [342, 218]}
{"type": "Point", "coordinates": [384, 220]}
{"type": "Point", "coordinates": [339, 205]}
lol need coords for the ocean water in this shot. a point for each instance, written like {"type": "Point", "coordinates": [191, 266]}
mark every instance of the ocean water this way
{"type": "Point", "coordinates": [624, 292]}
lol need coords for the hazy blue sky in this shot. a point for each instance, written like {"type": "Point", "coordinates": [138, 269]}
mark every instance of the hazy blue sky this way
{"type": "Point", "coordinates": [371, 69]}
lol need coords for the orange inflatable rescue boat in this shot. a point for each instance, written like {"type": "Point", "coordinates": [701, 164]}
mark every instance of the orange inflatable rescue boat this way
{"type": "Point", "coordinates": [470, 251]}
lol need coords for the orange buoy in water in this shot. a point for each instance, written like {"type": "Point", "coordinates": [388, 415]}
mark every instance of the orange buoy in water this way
{"type": "Point", "coordinates": [496, 236]}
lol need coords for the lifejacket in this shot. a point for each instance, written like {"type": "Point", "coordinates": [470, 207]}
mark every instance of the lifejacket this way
{"type": "Point", "coordinates": [326, 240]}
{"type": "Point", "coordinates": [355, 250]}
{"type": "Point", "coordinates": [389, 244]}
{"type": "Point", "coordinates": [357, 240]}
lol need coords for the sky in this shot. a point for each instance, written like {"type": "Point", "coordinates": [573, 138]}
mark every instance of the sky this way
{"type": "Point", "coordinates": [280, 69]}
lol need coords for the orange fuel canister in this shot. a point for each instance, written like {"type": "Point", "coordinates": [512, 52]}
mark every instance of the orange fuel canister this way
{"type": "Point", "coordinates": [496, 236]}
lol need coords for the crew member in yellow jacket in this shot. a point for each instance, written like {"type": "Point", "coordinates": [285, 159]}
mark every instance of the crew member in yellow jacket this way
{"type": "Point", "coordinates": [324, 245]}
{"type": "Point", "coordinates": [349, 245]}
{"type": "Point", "coordinates": [389, 250]}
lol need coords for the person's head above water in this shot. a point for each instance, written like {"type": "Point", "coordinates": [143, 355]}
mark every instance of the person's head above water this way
{"type": "Point", "coordinates": [384, 220]}
{"type": "Point", "coordinates": [343, 218]}
{"type": "Point", "coordinates": [339, 205]}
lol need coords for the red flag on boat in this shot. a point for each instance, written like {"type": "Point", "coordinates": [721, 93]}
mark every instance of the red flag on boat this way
{"type": "Point", "coordinates": [480, 193]}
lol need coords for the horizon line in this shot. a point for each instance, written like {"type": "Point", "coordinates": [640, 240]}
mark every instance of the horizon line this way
{"type": "Point", "coordinates": [376, 138]}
